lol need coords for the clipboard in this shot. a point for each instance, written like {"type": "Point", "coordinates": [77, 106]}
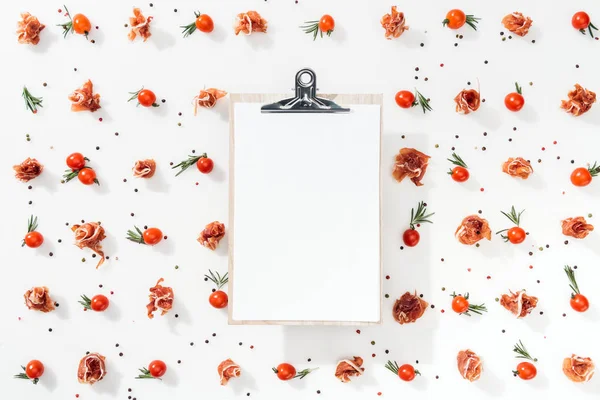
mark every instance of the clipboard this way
{"type": "Point", "coordinates": [304, 102]}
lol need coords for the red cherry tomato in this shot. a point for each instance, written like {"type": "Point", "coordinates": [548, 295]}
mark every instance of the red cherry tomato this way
{"type": "Point", "coordinates": [87, 176]}
{"type": "Point", "coordinates": [514, 101]}
{"type": "Point", "coordinates": [76, 161]}
{"type": "Point", "coordinates": [157, 368]}
{"type": "Point", "coordinates": [34, 239]}
{"type": "Point", "coordinates": [34, 369]}
{"type": "Point", "coordinates": [407, 372]}
{"type": "Point", "coordinates": [81, 24]}
{"type": "Point", "coordinates": [152, 236]}
{"type": "Point", "coordinates": [204, 23]}
{"type": "Point", "coordinates": [460, 304]}
{"type": "Point", "coordinates": [455, 19]}
{"type": "Point", "coordinates": [460, 174]}
{"type": "Point", "coordinates": [405, 99]}
{"type": "Point", "coordinates": [579, 303]}
{"type": "Point", "coordinates": [526, 370]}
{"type": "Point", "coordinates": [99, 302]}
{"type": "Point", "coordinates": [516, 235]}
{"type": "Point", "coordinates": [285, 372]}
{"type": "Point", "coordinates": [205, 165]}
{"type": "Point", "coordinates": [580, 20]}
{"type": "Point", "coordinates": [581, 177]}
{"type": "Point", "coordinates": [218, 299]}
{"type": "Point", "coordinates": [411, 237]}
{"type": "Point", "coordinates": [326, 24]}
{"type": "Point", "coordinates": [146, 98]}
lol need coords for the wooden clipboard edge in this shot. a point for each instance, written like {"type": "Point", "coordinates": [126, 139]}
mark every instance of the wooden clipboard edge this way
{"type": "Point", "coordinates": [341, 99]}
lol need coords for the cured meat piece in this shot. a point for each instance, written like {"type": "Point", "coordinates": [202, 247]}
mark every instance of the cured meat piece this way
{"type": "Point", "coordinates": [394, 24]}
{"type": "Point", "coordinates": [472, 229]}
{"type": "Point", "coordinates": [467, 101]}
{"type": "Point", "coordinates": [212, 235]}
{"type": "Point", "coordinates": [28, 169]}
{"type": "Point", "coordinates": [580, 101]}
{"type": "Point", "coordinates": [518, 303]}
{"type": "Point", "coordinates": [517, 167]}
{"type": "Point", "coordinates": [249, 22]}
{"type": "Point", "coordinates": [469, 365]}
{"type": "Point", "coordinates": [409, 308]}
{"type": "Point", "coordinates": [578, 369]}
{"type": "Point", "coordinates": [347, 368]}
{"type": "Point", "coordinates": [28, 29]}
{"type": "Point", "coordinates": [92, 368]}
{"type": "Point", "coordinates": [410, 163]}
{"type": "Point", "coordinates": [208, 98]}
{"type": "Point", "coordinates": [140, 25]}
{"type": "Point", "coordinates": [38, 298]}
{"type": "Point", "coordinates": [227, 370]}
{"type": "Point", "coordinates": [84, 99]}
{"type": "Point", "coordinates": [161, 298]}
{"type": "Point", "coordinates": [576, 227]}
{"type": "Point", "coordinates": [144, 168]}
{"type": "Point", "coordinates": [89, 235]}
{"type": "Point", "coordinates": [517, 23]}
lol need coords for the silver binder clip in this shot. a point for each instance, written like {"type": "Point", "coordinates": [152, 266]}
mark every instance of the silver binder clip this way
{"type": "Point", "coordinates": [306, 100]}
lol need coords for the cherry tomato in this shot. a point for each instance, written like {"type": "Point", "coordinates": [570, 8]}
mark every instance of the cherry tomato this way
{"type": "Point", "coordinates": [146, 98]}
{"type": "Point", "coordinates": [218, 299]}
{"type": "Point", "coordinates": [204, 23]}
{"type": "Point", "coordinates": [460, 304]}
{"type": "Point", "coordinates": [285, 371]}
{"type": "Point", "coordinates": [34, 239]}
{"type": "Point", "coordinates": [157, 368]}
{"type": "Point", "coordinates": [34, 369]}
{"type": "Point", "coordinates": [411, 237]}
{"type": "Point", "coordinates": [581, 177]}
{"type": "Point", "coordinates": [326, 24]}
{"type": "Point", "coordinates": [81, 24]}
{"type": "Point", "coordinates": [405, 99]}
{"type": "Point", "coordinates": [87, 176]}
{"type": "Point", "coordinates": [526, 370]}
{"type": "Point", "coordinates": [580, 20]}
{"type": "Point", "coordinates": [579, 303]}
{"type": "Point", "coordinates": [516, 235]}
{"type": "Point", "coordinates": [205, 165]}
{"type": "Point", "coordinates": [99, 302]}
{"type": "Point", "coordinates": [460, 174]}
{"type": "Point", "coordinates": [406, 372]}
{"type": "Point", "coordinates": [152, 236]}
{"type": "Point", "coordinates": [455, 19]}
{"type": "Point", "coordinates": [514, 101]}
{"type": "Point", "coordinates": [76, 161]}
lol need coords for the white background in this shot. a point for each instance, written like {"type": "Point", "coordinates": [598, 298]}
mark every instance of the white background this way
{"type": "Point", "coordinates": [355, 59]}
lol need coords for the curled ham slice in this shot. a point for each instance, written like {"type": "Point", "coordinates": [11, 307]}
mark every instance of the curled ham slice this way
{"type": "Point", "coordinates": [578, 369]}
{"type": "Point", "coordinates": [28, 169]}
{"type": "Point", "coordinates": [394, 24]}
{"type": "Point", "coordinates": [410, 163]}
{"type": "Point", "coordinates": [89, 235]}
{"type": "Point", "coordinates": [84, 99]}
{"type": "Point", "coordinates": [249, 22]}
{"type": "Point", "coordinates": [144, 168]}
{"type": "Point", "coordinates": [161, 298]}
{"type": "Point", "coordinates": [347, 368]}
{"type": "Point", "coordinates": [212, 235]}
{"type": "Point", "coordinates": [409, 308]}
{"type": "Point", "coordinates": [140, 25]}
{"type": "Point", "coordinates": [576, 227]}
{"type": "Point", "coordinates": [227, 370]}
{"type": "Point", "coordinates": [28, 29]}
{"type": "Point", "coordinates": [92, 368]}
{"type": "Point", "coordinates": [517, 167]}
{"type": "Point", "coordinates": [208, 98]}
{"type": "Point", "coordinates": [38, 298]}
{"type": "Point", "coordinates": [518, 303]}
{"type": "Point", "coordinates": [580, 101]}
{"type": "Point", "coordinates": [469, 365]}
{"type": "Point", "coordinates": [517, 23]}
{"type": "Point", "coordinates": [467, 101]}
{"type": "Point", "coordinates": [472, 229]}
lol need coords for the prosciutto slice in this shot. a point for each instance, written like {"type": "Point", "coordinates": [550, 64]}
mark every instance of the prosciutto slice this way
{"type": "Point", "coordinates": [410, 163]}
{"type": "Point", "coordinates": [207, 98]}
{"type": "Point", "coordinates": [28, 169]}
{"type": "Point", "coordinates": [518, 303]}
{"type": "Point", "coordinates": [89, 235]}
{"type": "Point", "coordinates": [249, 22]}
{"type": "Point", "coordinates": [517, 167]}
{"type": "Point", "coordinates": [28, 29]}
{"type": "Point", "coordinates": [348, 368]}
{"type": "Point", "coordinates": [580, 101]}
{"type": "Point", "coordinates": [38, 298]}
{"type": "Point", "coordinates": [161, 298]}
{"type": "Point", "coordinates": [92, 368]}
{"type": "Point", "coordinates": [409, 308]}
{"type": "Point", "coordinates": [467, 101]}
{"type": "Point", "coordinates": [394, 24]}
{"type": "Point", "coordinates": [576, 227]}
{"type": "Point", "coordinates": [227, 370]}
{"type": "Point", "coordinates": [144, 168]}
{"type": "Point", "coordinates": [469, 365]}
{"type": "Point", "coordinates": [472, 229]}
{"type": "Point", "coordinates": [212, 235]}
{"type": "Point", "coordinates": [517, 23]}
{"type": "Point", "coordinates": [578, 369]}
{"type": "Point", "coordinates": [84, 99]}
{"type": "Point", "coordinates": [140, 25]}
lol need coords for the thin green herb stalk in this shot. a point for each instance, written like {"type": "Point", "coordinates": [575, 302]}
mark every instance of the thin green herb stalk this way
{"type": "Point", "coordinates": [590, 27]}
{"type": "Point", "coordinates": [86, 302]}
{"type": "Point", "coordinates": [475, 308]}
{"type": "Point", "coordinates": [519, 88]}
{"type": "Point", "coordinates": [572, 281]}
{"type": "Point", "coordinates": [514, 218]}
{"type": "Point", "coordinates": [137, 237]}
{"type": "Point", "coordinates": [190, 28]}
{"type": "Point", "coordinates": [134, 96]}
{"type": "Point", "coordinates": [522, 352]}
{"type": "Point", "coordinates": [31, 102]}
{"type": "Point", "coordinates": [472, 21]}
{"type": "Point", "coordinates": [185, 164]}
{"type": "Point", "coordinates": [68, 26]}
{"type": "Point", "coordinates": [393, 367]}
{"type": "Point", "coordinates": [217, 279]}
{"type": "Point", "coordinates": [23, 375]}
{"type": "Point", "coordinates": [594, 170]}
{"type": "Point", "coordinates": [422, 101]}
{"type": "Point", "coordinates": [304, 372]}
{"type": "Point", "coordinates": [419, 217]}
{"type": "Point", "coordinates": [145, 374]}
{"type": "Point", "coordinates": [32, 225]}
{"type": "Point", "coordinates": [312, 27]}
{"type": "Point", "coordinates": [456, 160]}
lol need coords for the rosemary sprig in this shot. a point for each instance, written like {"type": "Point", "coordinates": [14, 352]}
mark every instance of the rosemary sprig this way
{"type": "Point", "coordinates": [590, 27]}
{"type": "Point", "coordinates": [217, 279]}
{"type": "Point", "coordinates": [145, 374]}
{"type": "Point", "coordinates": [31, 102]}
{"type": "Point", "coordinates": [472, 21]}
{"type": "Point", "coordinates": [134, 96]}
{"type": "Point", "coordinates": [422, 101]}
{"type": "Point", "coordinates": [86, 302]}
{"type": "Point", "coordinates": [513, 216]}
{"type": "Point", "coordinates": [137, 237]}
{"type": "Point", "coordinates": [393, 367]}
{"type": "Point", "coordinates": [23, 375]}
{"type": "Point", "coordinates": [594, 170]}
{"type": "Point", "coordinates": [522, 352]}
{"type": "Point", "coordinates": [313, 27]}
{"type": "Point", "coordinates": [475, 308]}
{"type": "Point", "coordinates": [190, 28]}
{"type": "Point", "coordinates": [71, 174]}
{"type": "Point", "coordinates": [300, 374]}
{"type": "Point", "coordinates": [519, 88]}
{"type": "Point", "coordinates": [68, 26]}
{"type": "Point", "coordinates": [456, 160]}
{"type": "Point", "coordinates": [573, 283]}
{"type": "Point", "coordinates": [185, 164]}
{"type": "Point", "coordinates": [32, 225]}
{"type": "Point", "coordinates": [419, 217]}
